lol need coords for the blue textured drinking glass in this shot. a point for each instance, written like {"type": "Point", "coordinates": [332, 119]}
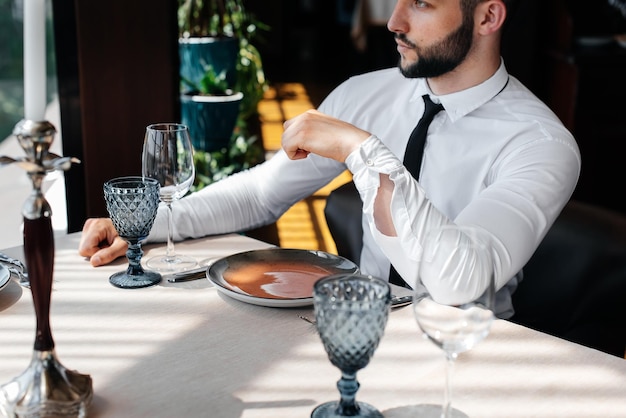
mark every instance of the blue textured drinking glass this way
{"type": "Point", "coordinates": [351, 313]}
{"type": "Point", "coordinates": [132, 204]}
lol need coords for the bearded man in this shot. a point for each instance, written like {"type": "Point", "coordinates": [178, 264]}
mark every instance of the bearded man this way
{"type": "Point", "coordinates": [495, 157]}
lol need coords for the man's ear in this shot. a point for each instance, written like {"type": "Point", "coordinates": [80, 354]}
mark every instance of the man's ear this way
{"type": "Point", "coordinates": [490, 16]}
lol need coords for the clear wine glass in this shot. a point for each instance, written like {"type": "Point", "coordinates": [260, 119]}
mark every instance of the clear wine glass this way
{"type": "Point", "coordinates": [351, 313]}
{"type": "Point", "coordinates": [168, 158]}
{"type": "Point", "coordinates": [454, 298]}
{"type": "Point", "coordinates": [132, 203]}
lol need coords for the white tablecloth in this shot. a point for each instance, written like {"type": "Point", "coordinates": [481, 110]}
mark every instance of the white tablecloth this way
{"type": "Point", "coordinates": [185, 350]}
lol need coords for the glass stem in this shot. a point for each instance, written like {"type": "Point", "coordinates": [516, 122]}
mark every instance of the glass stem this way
{"type": "Point", "coordinates": [446, 411]}
{"type": "Point", "coordinates": [134, 254]}
{"type": "Point", "coordinates": [348, 386]}
{"type": "Point", "coordinates": [169, 252]}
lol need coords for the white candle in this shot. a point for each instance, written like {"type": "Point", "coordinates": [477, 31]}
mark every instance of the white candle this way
{"type": "Point", "coordinates": [35, 60]}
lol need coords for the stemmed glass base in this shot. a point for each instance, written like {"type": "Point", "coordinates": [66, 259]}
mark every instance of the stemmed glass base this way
{"type": "Point", "coordinates": [347, 406]}
{"type": "Point", "coordinates": [126, 281]}
{"type": "Point", "coordinates": [329, 410]}
{"type": "Point", "coordinates": [433, 411]}
{"type": "Point", "coordinates": [134, 277]}
{"type": "Point", "coordinates": [172, 264]}
{"type": "Point", "coordinates": [46, 389]}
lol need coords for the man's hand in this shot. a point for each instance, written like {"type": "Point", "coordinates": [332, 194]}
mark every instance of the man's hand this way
{"type": "Point", "coordinates": [100, 242]}
{"type": "Point", "coordinates": [317, 133]}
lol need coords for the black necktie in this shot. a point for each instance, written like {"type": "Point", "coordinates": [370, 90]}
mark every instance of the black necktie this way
{"type": "Point", "coordinates": [413, 158]}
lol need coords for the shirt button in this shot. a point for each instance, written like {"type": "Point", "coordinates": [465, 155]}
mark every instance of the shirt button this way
{"type": "Point", "coordinates": [369, 162]}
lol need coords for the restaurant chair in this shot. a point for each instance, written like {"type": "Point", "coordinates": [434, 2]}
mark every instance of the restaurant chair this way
{"type": "Point", "coordinates": [574, 285]}
{"type": "Point", "coordinates": [343, 213]}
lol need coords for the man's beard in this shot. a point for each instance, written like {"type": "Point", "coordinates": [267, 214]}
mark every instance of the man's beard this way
{"type": "Point", "coordinates": [442, 57]}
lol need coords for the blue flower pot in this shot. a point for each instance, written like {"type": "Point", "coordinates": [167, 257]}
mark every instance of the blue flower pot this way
{"type": "Point", "coordinates": [211, 119]}
{"type": "Point", "coordinates": [197, 53]}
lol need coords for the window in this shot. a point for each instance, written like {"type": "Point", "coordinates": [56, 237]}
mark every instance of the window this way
{"type": "Point", "coordinates": [14, 184]}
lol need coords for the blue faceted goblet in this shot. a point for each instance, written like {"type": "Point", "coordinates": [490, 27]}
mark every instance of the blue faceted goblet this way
{"type": "Point", "coordinates": [132, 204]}
{"type": "Point", "coordinates": [351, 313]}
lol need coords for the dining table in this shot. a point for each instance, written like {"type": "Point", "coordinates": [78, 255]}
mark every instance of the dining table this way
{"type": "Point", "coordinates": [190, 350]}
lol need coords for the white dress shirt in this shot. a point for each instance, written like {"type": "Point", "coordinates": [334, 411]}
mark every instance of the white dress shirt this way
{"type": "Point", "coordinates": [497, 158]}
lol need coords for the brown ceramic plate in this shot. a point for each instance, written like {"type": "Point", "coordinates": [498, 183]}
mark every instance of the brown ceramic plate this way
{"type": "Point", "coordinates": [275, 277]}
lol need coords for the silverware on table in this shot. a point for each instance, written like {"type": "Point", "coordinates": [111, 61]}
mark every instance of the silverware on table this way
{"type": "Point", "coordinates": [307, 319]}
{"type": "Point", "coordinates": [188, 275]}
{"type": "Point", "coordinates": [16, 268]}
{"type": "Point", "coordinates": [400, 301]}
{"type": "Point", "coordinates": [396, 302]}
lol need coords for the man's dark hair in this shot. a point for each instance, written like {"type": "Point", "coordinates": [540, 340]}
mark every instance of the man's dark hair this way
{"type": "Point", "coordinates": [468, 7]}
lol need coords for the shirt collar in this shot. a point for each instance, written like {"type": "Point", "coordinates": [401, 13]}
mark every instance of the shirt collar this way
{"type": "Point", "coordinates": [461, 103]}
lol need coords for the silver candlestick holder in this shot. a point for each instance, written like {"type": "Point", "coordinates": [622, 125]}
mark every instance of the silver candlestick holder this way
{"type": "Point", "coordinates": [46, 388]}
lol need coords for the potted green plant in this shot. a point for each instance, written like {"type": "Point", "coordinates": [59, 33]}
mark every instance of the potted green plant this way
{"type": "Point", "coordinates": [205, 40]}
{"type": "Point", "coordinates": [210, 109]}
{"type": "Point", "coordinates": [215, 41]}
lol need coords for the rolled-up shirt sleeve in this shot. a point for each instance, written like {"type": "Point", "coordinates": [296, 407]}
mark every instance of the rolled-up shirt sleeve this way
{"type": "Point", "coordinates": [412, 213]}
{"type": "Point", "coordinates": [521, 194]}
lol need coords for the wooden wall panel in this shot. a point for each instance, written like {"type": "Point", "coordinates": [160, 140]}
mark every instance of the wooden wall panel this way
{"type": "Point", "coordinates": [118, 72]}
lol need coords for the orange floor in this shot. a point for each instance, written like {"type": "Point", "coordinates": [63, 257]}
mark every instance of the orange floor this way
{"type": "Point", "coordinates": [302, 226]}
